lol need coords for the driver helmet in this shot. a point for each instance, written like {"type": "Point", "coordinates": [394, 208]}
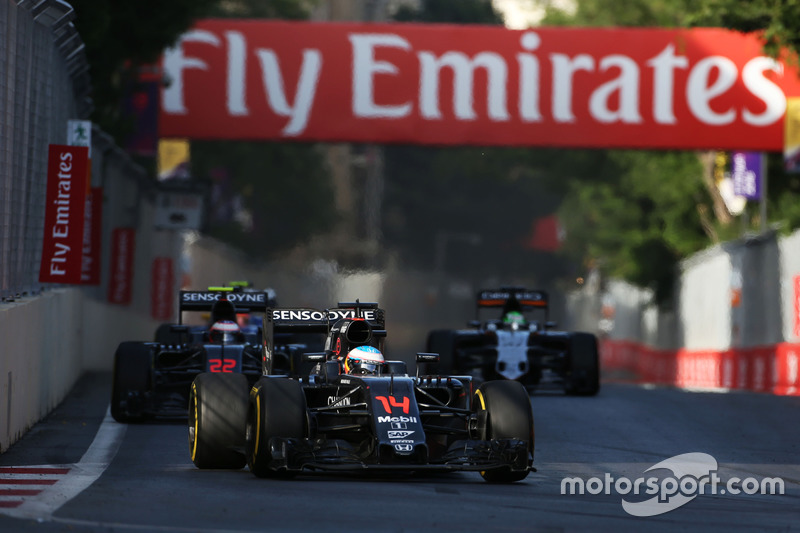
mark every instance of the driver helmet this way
{"type": "Point", "coordinates": [363, 360]}
{"type": "Point", "coordinates": [225, 332]}
{"type": "Point", "coordinates": [515, 319]}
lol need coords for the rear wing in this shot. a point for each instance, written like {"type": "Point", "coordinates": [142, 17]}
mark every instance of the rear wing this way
{"type": "Point", "coordinates": [307, 320]}
{"type": "Point", "coordinates": [300, 320]}
{"type": "Point", "coordinates": [243, 301]}
{"type": "Point", "coordinates": [512, 299]}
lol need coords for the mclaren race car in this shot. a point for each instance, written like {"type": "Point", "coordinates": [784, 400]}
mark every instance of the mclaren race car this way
{"type": "Point", "coordinates": [517, 347]}
{"type": "Point", "coordinates": [153, 378]}
{"type": "Point", "coordinates": [375, 417]}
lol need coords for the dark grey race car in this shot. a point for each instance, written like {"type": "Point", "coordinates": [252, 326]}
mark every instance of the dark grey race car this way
{"type": "Point", "coordinates": [329, 421]}
{"type": "Point", "coordinates": [516, 347]}
{"type": "Point", "coordinates": [152, 379]}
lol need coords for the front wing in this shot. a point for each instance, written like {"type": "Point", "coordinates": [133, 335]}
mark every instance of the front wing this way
{"type": "Point", "coordinates": [467, 455]}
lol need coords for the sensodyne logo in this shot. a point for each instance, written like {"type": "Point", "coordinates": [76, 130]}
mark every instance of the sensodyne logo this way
{"type": "Point", "coordinates": [692, 474]}
{"type": "Point", "coordinates": [234, 297]}
{"type": "Point", "coordinates": [311, 314]}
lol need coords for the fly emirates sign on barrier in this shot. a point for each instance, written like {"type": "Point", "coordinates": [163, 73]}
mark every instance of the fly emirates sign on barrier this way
{"type": "Point", "coordinates": [475, 85]}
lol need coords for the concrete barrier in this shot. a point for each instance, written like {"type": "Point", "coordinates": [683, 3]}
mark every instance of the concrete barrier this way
{"type": "Point", "coordinates": [48, 342]}
{"type": "Point", "coordinates": [771, 369]}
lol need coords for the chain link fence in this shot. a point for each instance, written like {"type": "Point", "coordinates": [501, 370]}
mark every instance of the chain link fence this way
{"type": "Point", "coordinates": [43, 84]}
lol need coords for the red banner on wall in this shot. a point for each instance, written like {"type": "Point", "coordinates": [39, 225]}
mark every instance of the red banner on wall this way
{"type": "Point", "coordinates": [92, 235]}
{"type": "Point", "coordinates": [475, 85]}
{"type": "Point", "coordinates": [123, 248]}
{"type": "Point", "coordinates": [62, 247]}
{"type": "Point", "coordinates": [162, 292]}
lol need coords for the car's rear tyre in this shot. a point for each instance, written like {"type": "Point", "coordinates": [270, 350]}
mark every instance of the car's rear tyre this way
{"type": "Point", "coordinates": [131, 381]}
{"type": "Point", "coordinates": [218, 406]}
{"type": "Point", "coordinates": [508, 415]}
{"type": "Point", "coordinates": [443, 342]}
{"type": "Point", "coordinates": [583, 378]}
{"type": "Point", "coordinates": [277, 409]}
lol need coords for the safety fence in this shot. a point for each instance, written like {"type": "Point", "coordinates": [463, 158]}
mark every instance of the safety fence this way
{"type": "Point", "coordinates": [53, 333]}
{"type": "Point", "coordinates": [43, 83]}
{"type": "Point", "coordinates": [734, 322]}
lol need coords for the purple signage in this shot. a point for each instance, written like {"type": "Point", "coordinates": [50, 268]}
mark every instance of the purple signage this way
{"type": "Point", "coordinates": [746, 174]}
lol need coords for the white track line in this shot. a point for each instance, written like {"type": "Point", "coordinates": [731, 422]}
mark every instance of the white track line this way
{"type": "Point", "coordinates": [80, 476]}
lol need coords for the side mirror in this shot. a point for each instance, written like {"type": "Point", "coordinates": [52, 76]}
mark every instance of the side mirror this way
{"type": "Point", "coordinates": [474, 324]}
{"type": "Point", "coordinates": [423, 357]}
{"type": "Point", "coordinates": [550, 325]}
{"type": "Point", "coordinates": [179, 328]}
{"type": "Point", "coordinates": [426, 358]}
{"type": "Point", "coordinates": [315, 357]}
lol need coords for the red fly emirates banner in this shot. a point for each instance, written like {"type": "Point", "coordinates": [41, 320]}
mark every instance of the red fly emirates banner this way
{"type": "Point", "coordinates": [62, 245]}
{"type": "Point", "coordinates": [475, 85]}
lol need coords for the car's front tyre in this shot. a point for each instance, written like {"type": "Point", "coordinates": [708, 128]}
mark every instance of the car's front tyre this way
{"type": "Point", "coordinates": [277, 409]}
{"type": "Point", "coordinates": [508, 414]}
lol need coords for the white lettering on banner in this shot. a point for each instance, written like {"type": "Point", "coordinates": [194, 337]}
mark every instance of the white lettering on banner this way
{"type": "Point", "coordinates": [463, 83]}
{"type": "Point", "coordinates": [364, 69]}
{"type": "Point", "coordinates": [60, 228]}
{"type": "Point", "coordinates": [617, 100]}
{"type": "Point", "coordinates": [175, 62]}
{"type": "Point", "coordinates": [174, 65]}
{"type": "Point", "coordinates": [664, 65]}
{"type": "Point", "coordinates": [306, 88]}
{"type": "Point", "coordinates": [627, 85]}
{"type": "Point", "coordinates": [699, 94]}
{"type": "Point", "coordinates": [237, 73]}
{"type": "Point", "coordinates": [563, 70]}
{"type": "Point", "coordinates": [61, 250]}
{"type": "Point", "coordinates": [765, 90]}
{"type": "Point", "coordinates": [529, 79]}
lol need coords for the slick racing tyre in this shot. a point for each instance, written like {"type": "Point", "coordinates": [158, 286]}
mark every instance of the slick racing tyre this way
{"type": "Point", "coordinates": [218, 406]}
{"type": "Point", "coordinates": [277, 409]}
{"type": "Point", "coordinates": [508, 416]}
{"type": "Point", "coordinates": [583, 375]}
{"type": "Point", "coordinates": [131, 381]}
{"type": "Point", "coordinates": [443, 342]}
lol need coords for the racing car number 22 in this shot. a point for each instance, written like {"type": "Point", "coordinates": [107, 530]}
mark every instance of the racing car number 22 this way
{"type": "Point", "coordinates": [221, 365]}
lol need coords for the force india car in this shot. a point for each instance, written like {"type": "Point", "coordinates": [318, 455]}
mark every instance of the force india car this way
{"type": "Point", "coordinates": [329, 421]}
{"type": "Point", "coordinates": [530, 352]}
{"type": "Point", "coordinates": [153, 378]}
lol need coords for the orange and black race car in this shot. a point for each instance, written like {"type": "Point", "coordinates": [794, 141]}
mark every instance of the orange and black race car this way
{"type": "Point", "coordinates": [522, 345]}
